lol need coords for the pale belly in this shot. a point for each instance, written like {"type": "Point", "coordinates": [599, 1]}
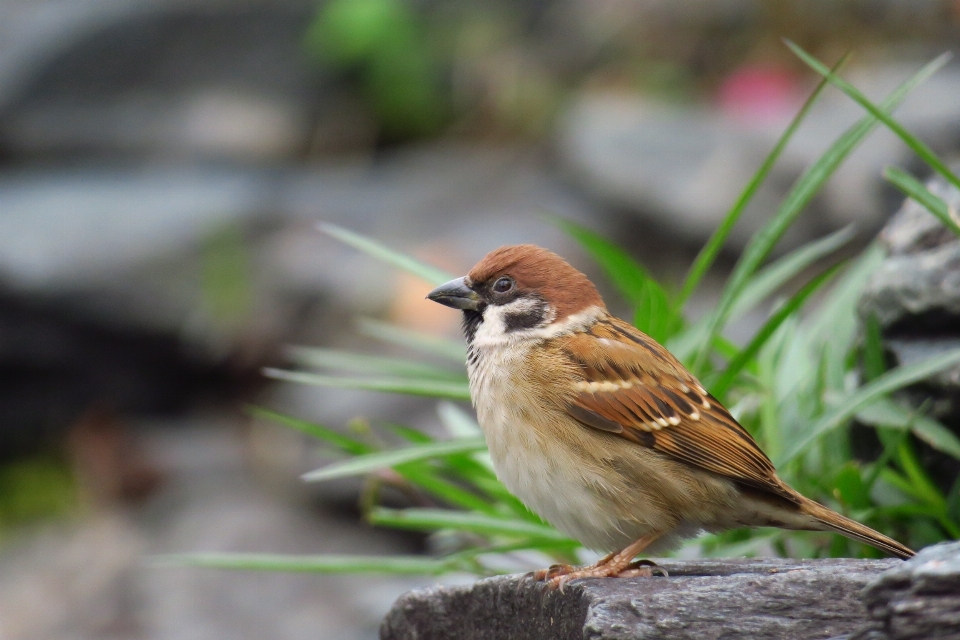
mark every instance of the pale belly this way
{"type": "Point", "coordinates": [549, 476]}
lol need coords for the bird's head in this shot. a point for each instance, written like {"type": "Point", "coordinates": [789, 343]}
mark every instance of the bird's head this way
{"type": "Point", "coordinates": [518, 288]}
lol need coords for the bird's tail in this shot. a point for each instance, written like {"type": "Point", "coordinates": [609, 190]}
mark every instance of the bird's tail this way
{"type": "Point", "coordinates": [833, 521]}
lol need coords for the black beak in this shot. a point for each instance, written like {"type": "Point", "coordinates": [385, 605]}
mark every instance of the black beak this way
{"type": "Point", "coordinates": [456, 294]}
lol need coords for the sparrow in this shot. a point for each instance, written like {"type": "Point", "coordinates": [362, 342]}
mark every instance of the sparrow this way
{"type": "Point", "coordinates": [603, 433]}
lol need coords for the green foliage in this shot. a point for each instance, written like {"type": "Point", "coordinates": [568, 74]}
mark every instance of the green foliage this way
{"type": "Point", "coordinates": [797, 385]}
{"type": "Point", "coordinates": [383, 41]}
{"type": "Point", "coordinates": [35, 488]}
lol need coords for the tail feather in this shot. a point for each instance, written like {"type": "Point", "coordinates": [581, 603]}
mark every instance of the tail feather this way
{"type": "Point", "coordinates": [833, 521]}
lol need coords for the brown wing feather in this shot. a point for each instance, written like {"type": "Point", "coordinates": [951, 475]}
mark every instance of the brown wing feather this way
{"type": "Point", "coordinates": [630, 385]}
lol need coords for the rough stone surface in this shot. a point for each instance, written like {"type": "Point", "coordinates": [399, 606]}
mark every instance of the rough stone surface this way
{"type": "Point", "coordinates": [915, 294]}
{"type": "Point", "coordinates": [705, 599]}
{"type": "Point", "coordinates": [916, 599]}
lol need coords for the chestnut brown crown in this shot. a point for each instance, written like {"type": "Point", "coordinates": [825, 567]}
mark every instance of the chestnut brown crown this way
{"type": "Point", "coordinates": [537, 270]}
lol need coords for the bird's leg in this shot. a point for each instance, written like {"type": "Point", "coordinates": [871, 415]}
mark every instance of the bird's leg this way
{"type": "Point", "coordinates": [610, 566]}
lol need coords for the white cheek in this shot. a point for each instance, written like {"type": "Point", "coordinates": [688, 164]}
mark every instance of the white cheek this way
{"type": "Point", "coordinates": [493, 329]}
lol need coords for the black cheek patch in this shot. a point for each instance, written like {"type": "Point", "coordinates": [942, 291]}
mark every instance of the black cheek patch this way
{"type": "Point", "coordinates": [527, 319]}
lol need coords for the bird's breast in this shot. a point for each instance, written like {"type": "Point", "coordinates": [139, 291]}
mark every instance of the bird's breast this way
{"type": "Point", "coordinates": [531, 455]}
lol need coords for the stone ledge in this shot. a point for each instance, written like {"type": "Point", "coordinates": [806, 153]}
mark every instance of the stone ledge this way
{"type": "Point", "coordinates": [739, 598]}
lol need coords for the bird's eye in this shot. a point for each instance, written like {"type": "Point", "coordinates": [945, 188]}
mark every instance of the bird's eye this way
{"type": "Point", "coordinates": [503, 285]}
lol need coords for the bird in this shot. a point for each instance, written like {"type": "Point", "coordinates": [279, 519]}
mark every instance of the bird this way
{"type": "Point", "coordinates": [601, 431]}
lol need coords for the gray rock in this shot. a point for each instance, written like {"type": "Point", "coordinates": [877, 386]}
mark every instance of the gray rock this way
{"type": "Point", "coordinates": [678, 167]}
{"type": "Point", "coordinates": [917, 599]}
{"type": "Point", "coordinates": [177, 77]}
{"type": "Point", "coordinates": [915, 294]}
{"type": "Point", "coordinates": [768, 598]}
{"type": "Point", "coordinates": [681, 168]}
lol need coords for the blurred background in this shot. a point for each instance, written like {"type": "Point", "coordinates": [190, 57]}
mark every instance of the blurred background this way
{"type": "Point", "coordinates": [163, 165]}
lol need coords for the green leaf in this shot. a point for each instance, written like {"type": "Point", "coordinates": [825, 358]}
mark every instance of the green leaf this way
{"type": "Point", "coordinates": [763, 242]}
{"type": "Point", "coordinates": [435, 519]}
{"type": "Point", "coordinates": [776, 274]}
{"type": "Point", "coordinates": [913, 188]}
{"type": "Point", "coordinates": [458, 422]}
{"type": "Point", "coordinates": [714, 245]}
{"type": "Point", "coordinates": [431, 274]}
{"type": "Point", "coordinates": [451, 390]}
{"type": "Point", "coordinates": [881, 113]}
{"type": "Point", "coordinates": [386, 459]}
{"type": "Point", "coordinates": [318, 358]}
{"type": "Point", "coordinates": [884, 412]}
{"type": "Point", "coordinates": [892, 380]}
{"type": "Point", "coordinates": [306, 564]}
{"type": "Point", "coordinates": [770, 326]}
{"type": "Point", "coordinates": [423, 342]}
{"type": "Point", "coordinates": [852, 489]}
{"type": "Point", "coordinates": [424, 478]}
{"type": "Point", "coordinates": [348, 445]}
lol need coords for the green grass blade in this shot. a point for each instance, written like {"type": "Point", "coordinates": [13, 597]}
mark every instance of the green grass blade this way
{"type": "Point", "coordinates": [433, 345]}
{"type": "Point", "coordinates": [342, 442]}
{"type": "Point", "coordinates": [318, 358]}
{"type": "Point", "coordinates": [706, 257]}
{"type": "Point", "coordinates": [404, 565]}
{"type": "Point", "coordinates": [435, 519]}
{"type": "Point", "coordinates": [812, 180]}
{"type": "Point", "coordinates": [451, 390]}
{"type": "Point", "coordinates": [454, 495]}
{"type": "Point", "coordinates": [770, 326]}
{"type": "Point", "coordinates": [882, 114]}
{"type": "Point", "coordinates": [378, 460]}
{"type": "Point", "coordinates": [773, 276]}
{"type": "Point", "coordinates": [458, 422]}
{"type": "Point", "coordinates": [892, 380]}
{"type": "Point", "coordinates": [913, 188]}
{"type": "Point", "coordinates": [372, 248]}
{"type": "Point", "coordinates": [887, 413]}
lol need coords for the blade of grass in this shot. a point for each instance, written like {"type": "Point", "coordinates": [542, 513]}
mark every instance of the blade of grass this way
{"type": "Point", "coordinates": [377, 460]}
{"type": "Point", "coordinates": [880, 113]}
{"type": "Point", "coordinates": [426, 343]}
{"type": "Point", "coordinates": [318, 358]}
{"type": "Point", "coordinates": [769, 279]}
{"type": "Point", "coordinates": [434, 519]}
{"type": "Point", "coordinates": [306, 564]}
{"type": "Point", "coordinates": [458, 422]}
{"type": "Point", "coordinates": [887, 413]}
{"type": "Point", "coordinates": [342, 442]}
{"type": "Point", "coordinates": [913, 188]}
{"type": "Point", "coordinates": [372, 248]}
{"type": "Point", "coordinates": [762, 243]}
{"type": "Point", "coordinates": [706, 257]}
{"type": "Point", "coordinates": [890, 381]}
{"type": "Point", "coordinates": [451, 390]}
{"type": "Point", "coordinates": [424, 478]}
{"type": "Point", "coordinates": [770, 326]}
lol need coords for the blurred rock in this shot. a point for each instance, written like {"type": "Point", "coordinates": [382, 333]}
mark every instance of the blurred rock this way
{"type": "Point", "coordinates": [915, 294]}
{"type": "Point", "coordinates": [681, 168]}
{"type": "Point", "coordinates": [91, 577]}
{"type": "Point", "coordinates": [180, 78]}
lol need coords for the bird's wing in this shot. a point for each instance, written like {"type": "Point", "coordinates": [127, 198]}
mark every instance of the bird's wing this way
{"type": "Point", "coordinates": [629, 385]}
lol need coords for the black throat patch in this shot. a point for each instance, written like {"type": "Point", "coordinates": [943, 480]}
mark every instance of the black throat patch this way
{"type": "Point", "coordinates": [471, 322]}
